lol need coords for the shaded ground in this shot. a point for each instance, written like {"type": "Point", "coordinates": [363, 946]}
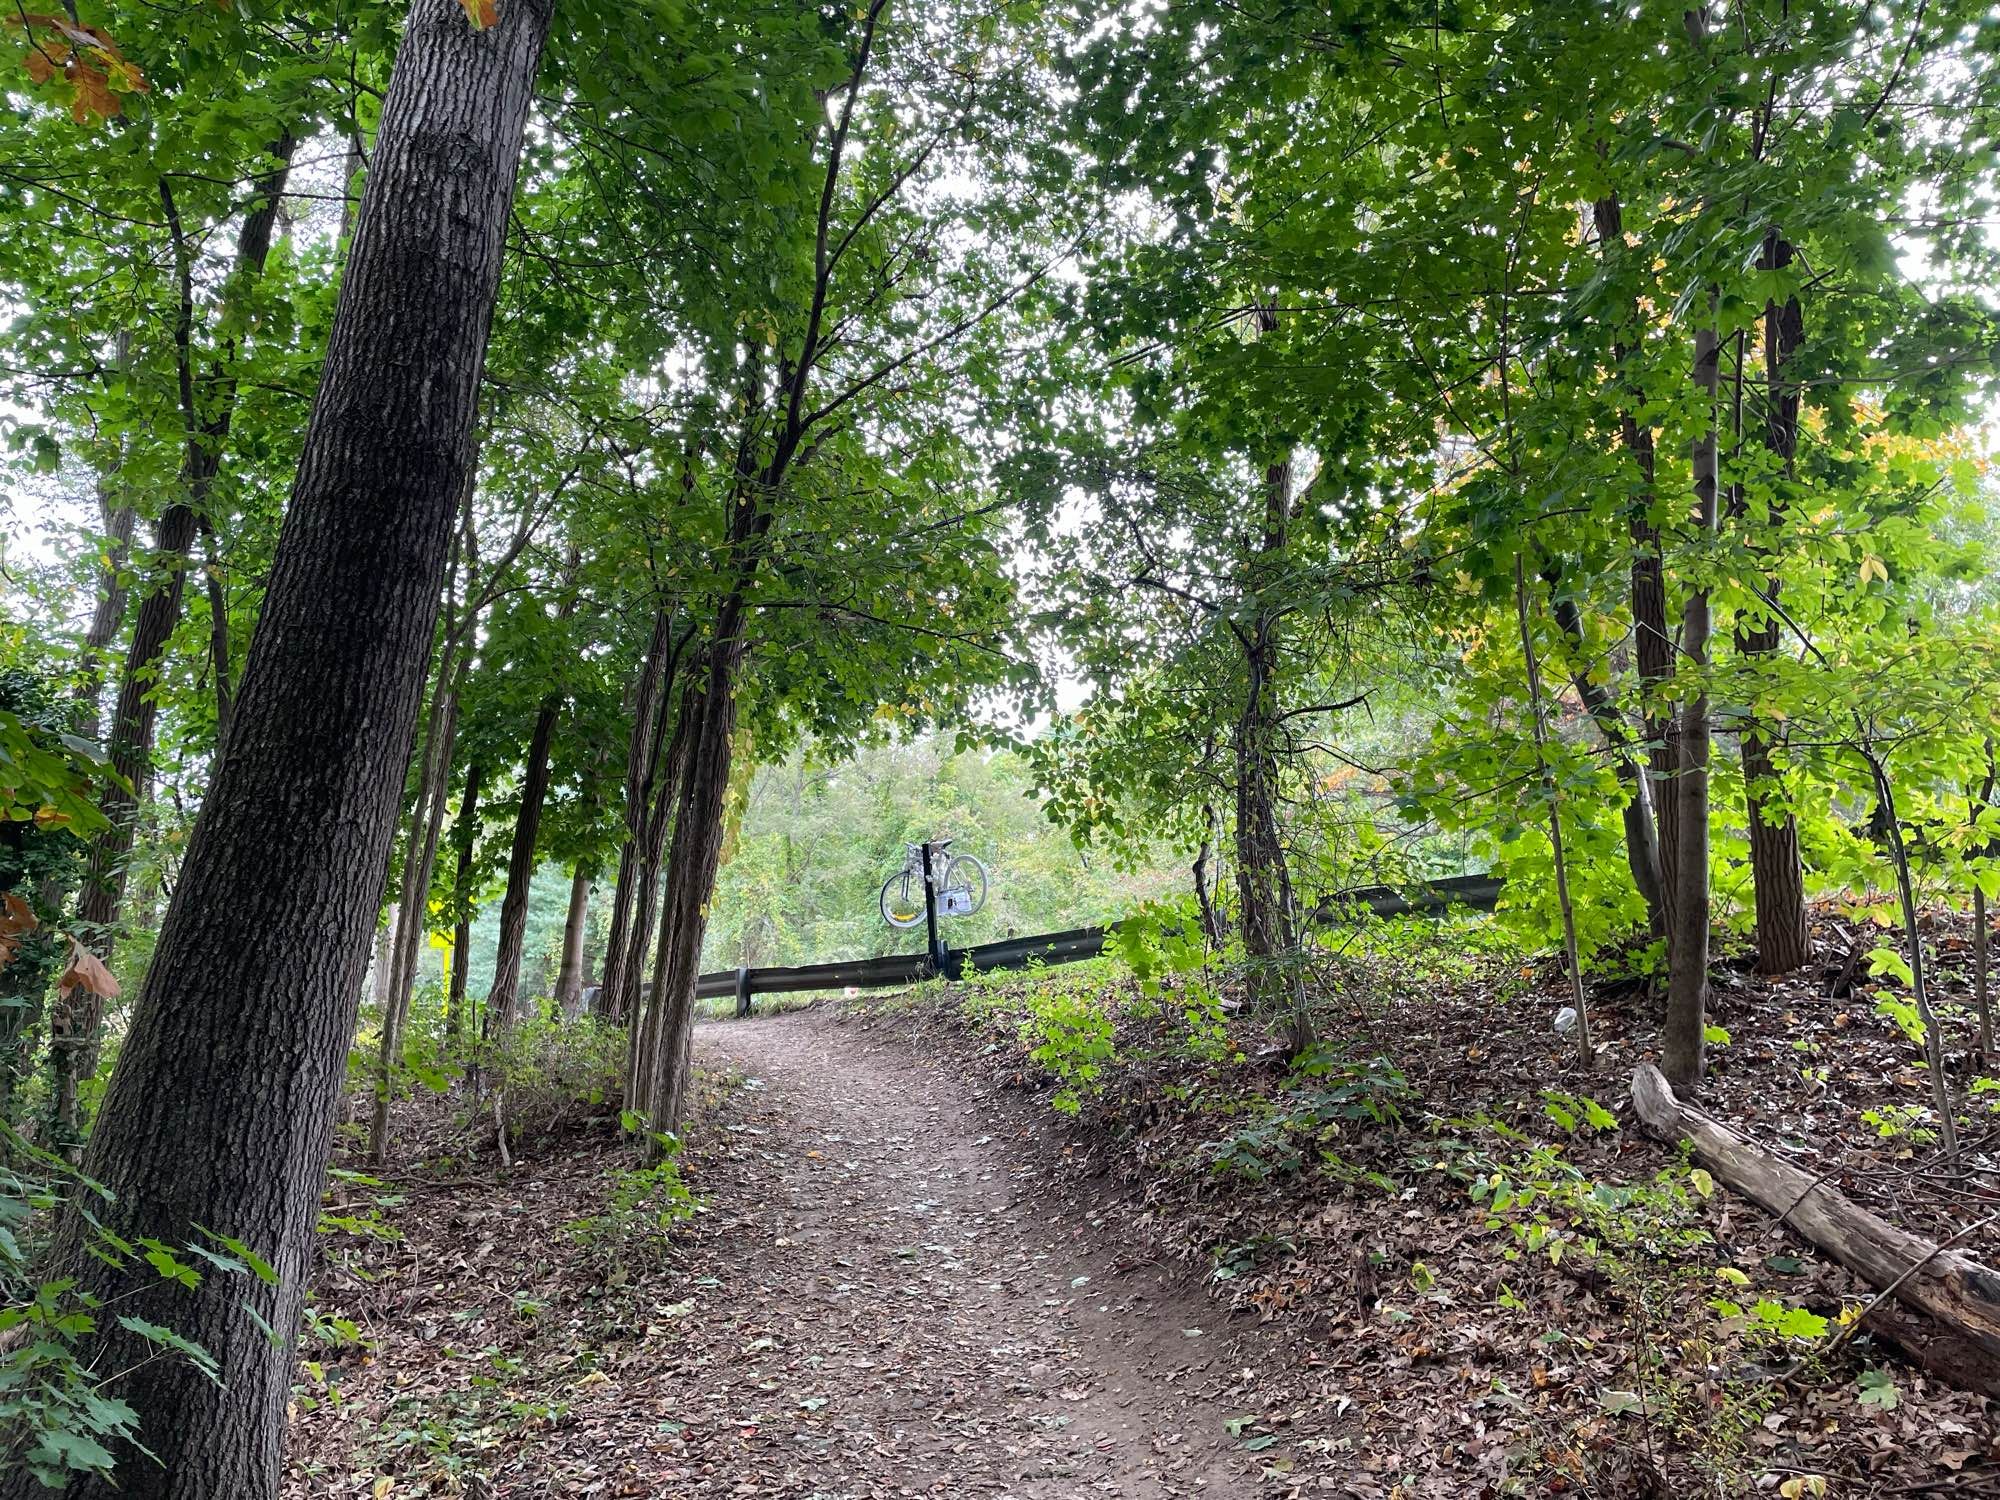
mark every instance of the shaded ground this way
{"type": "Point", "coordinates": [883, 1300]}
{"type": "Point", "coordinates": [912, 1277]}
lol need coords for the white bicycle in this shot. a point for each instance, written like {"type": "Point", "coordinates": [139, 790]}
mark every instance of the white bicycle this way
{"type": "Point", "coordinates": [960, 880]}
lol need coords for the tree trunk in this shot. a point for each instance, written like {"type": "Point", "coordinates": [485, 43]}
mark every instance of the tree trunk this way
{"type": "Point", "coordinates": [1263, 881]}
{"type": "Point", "coordinates": [464, 834]}
{"type": "Point", "coordinates": [1652, 643]}
{"type": "Point", "coordinates": [641, 755]}
{"type": "Point", "coordinates": [78, 1022]}
{"type": "Point", "coordinates": [639, 1010]}
{"type": "Point", "coordinates": [118, 516]}
{"type": "Point", "coordinates": [221, 1110]}
{"type": "Point", "coordinates": [569, 977]}
{"type": "Point", "coordinates": [1684, 1040]}
{"type": "Point", "coordinates": [664, 1053]}
{"type": "Point", "coordinates": [413, 917]}
{"type": "Point", "coordinates": [1642, 845]}
{"type": "Point", "coordinates": [502, 998]}
{"type": "Point", "coordinates": [381, 968]}
{"type": "Point", "coordinates": [1777, 873]}
{"type": "Point", "coordinates": [131, 738]}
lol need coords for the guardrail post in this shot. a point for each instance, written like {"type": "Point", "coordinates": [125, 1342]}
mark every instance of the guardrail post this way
{"type": "Point", "coordinates": [743, 992]}
{"type": "Point", "coordinates": [940, 956]}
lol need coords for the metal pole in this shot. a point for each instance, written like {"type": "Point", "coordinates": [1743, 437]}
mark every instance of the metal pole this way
{"type": "Point", "coordinates": [743, 992]}
{"type": "Point", "coordinates": [938, 955]}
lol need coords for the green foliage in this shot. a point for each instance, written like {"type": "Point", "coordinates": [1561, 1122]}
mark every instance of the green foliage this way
{"type": "Point", "coordinates": [1072, 1034]}
{"type": "Point", "coordinates": [1328, 1095]}
{"type": "Point", "coordinates": [60, 1417]}
{"type": "Point", "coordinates": [641, 1208]}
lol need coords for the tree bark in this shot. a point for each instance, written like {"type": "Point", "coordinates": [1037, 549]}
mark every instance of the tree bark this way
{"type": "Point", "coordinates": [1263, 880]}
{"type": "Point", "coordinates": [1684, 1040]}
{"type": "Point", "coordinates": [569, 976]}
{"type": "Point", "coordinates": [221, 1109]}
{"type": "Point", "coordinates": [664, 1052]}
{"type": "Point", "coordinates": [1777, 873]}
{"type": "Point", "coordinates": [413, 915]}
{"type": "Point", "coordinates": [464, 834]}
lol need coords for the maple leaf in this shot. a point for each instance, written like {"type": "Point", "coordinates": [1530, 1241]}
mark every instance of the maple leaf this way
{"type": "Point", "coordinates": [481, 13]}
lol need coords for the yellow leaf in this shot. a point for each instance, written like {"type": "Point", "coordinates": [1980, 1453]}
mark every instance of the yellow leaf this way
{"type": "Point", "coordinates": [1872, 567]}
{"type": "Point", "coordinates": [481, 13]}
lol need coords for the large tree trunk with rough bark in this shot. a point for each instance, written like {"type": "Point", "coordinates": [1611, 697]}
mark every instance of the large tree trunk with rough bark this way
{"type": "Point", "coordinates": [221, 1111]}
{"type": "Point", "coordinates": [1684, 1040]}
{"type": "Point", "coordinates": [1776, 871]}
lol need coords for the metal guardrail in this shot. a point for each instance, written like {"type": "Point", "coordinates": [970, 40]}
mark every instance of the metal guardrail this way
{"type": "Point", "coordinates": [1429, 898]}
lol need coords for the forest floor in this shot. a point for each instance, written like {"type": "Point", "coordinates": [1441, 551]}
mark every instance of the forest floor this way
{"type": "Point", "coordinates": [1414, 1273]}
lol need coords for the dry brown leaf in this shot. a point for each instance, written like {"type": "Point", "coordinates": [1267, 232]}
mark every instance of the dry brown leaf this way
{"type": "Point", "coordinates": [86, 971]}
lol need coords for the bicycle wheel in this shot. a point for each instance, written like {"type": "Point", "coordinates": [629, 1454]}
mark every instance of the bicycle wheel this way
{"type": "Point", "coordinates": [902, 901]}
{"type": "Point", "coordinates": [964, 889]}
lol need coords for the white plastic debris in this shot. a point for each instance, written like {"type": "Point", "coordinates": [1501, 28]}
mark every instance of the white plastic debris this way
{"type": "Point", "coordinates": [1566, 1020]}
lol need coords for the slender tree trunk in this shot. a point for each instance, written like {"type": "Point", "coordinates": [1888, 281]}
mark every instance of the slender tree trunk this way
{"type": "Point", "coordinates": [117, 516]}
{"type": "Point", "coordinates": [1263, 880]}
{"type": "Point", "coordinates": [382, 967]}
{"type": "Point", "coordinates": [1777, 872]}
{"type": "Point", "coordinates": [503, 999]}
{"type": "Point", "coordinates": [414, 915]}
{"type": "Point", "coordinates": [131, 740]}
{"type": "Point", "coordinates": [1572, 954]}
{"type": "Point", "coordinates": [218, 641]}
{"type": "Point", "coordinates": [221, 1109]}
{"type": "Point", "coordinates": [1653, 645]}
{"type": "Point", "coordinates": [1642, 845]}
{"type": "Point", "coordinates": [640, 1008]}
{"type": "Point", "coordinates": [569, 976]}
{"type": "Point", "coordinates": [1684, 1040]}
{"type": "Point", "coordinates": [78, 1022]}
{"type": "Point", "coordinates": [642, 751]}
{"type": "Point", "coordinates": [464, 835]}
{"type": "Point", "coordinates": [664, 1053]}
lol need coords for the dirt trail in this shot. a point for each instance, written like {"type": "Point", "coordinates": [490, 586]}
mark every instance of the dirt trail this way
{"type": "Point", "coordinates": [916, 1318]}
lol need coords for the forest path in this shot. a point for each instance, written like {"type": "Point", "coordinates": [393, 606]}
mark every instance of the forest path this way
{"type": "Point", "coordinates": [932, 1319]}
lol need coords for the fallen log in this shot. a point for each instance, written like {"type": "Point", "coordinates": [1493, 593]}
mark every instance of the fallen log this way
{"type": "Point", "coordinates": [1959, 1293]}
